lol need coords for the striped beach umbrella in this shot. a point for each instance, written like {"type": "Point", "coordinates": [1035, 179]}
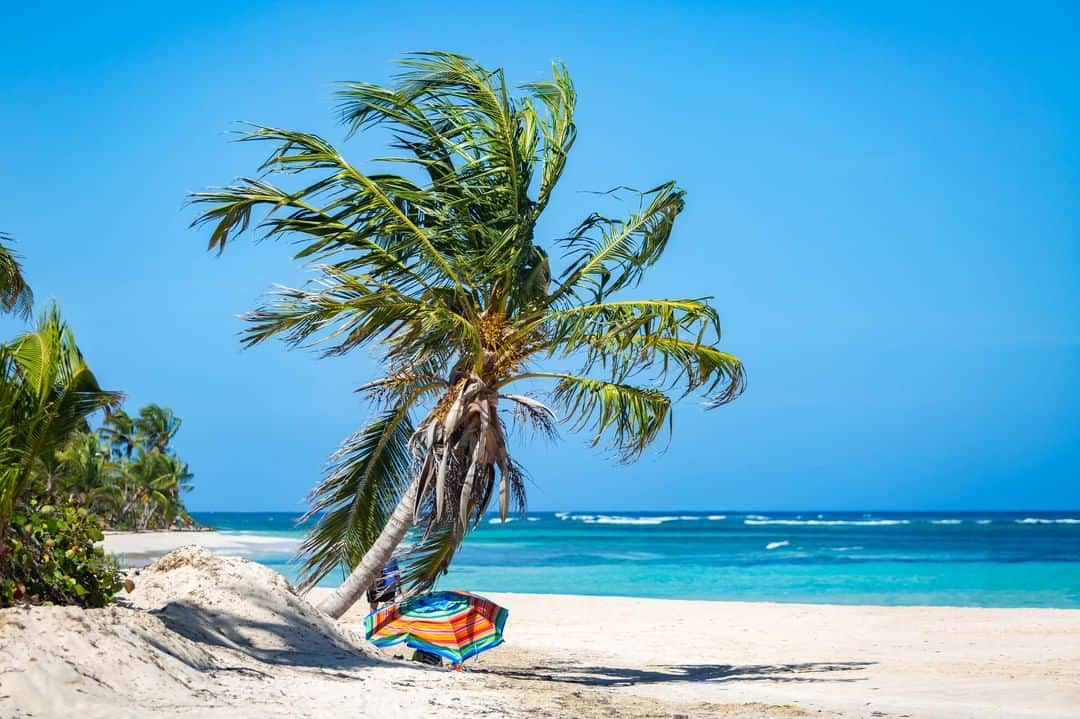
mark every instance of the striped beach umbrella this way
{"type": "Point", "coordinates": [453, 625]}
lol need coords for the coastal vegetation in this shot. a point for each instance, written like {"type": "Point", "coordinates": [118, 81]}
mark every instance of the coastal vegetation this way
{"type": "Point", "coordinates": [433, 260]}
{"type": "Point", "coordinates": [61, 482]}
{"type": "Point", "coordinates": [127, 471]}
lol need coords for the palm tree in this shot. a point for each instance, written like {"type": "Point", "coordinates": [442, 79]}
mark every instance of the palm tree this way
{"type": "Point", "coordinates": [440, 271]}
{"type": "Point", "coordinates": [88, 473]}
{"type": "Point", "coordinates": [119, 431]}
{"type": "Point", "coordinates": [47, 391]}
{"type": "Point", "coordinates": [156, 426]}
{"type": "Point", "coordinates": [15, 294]}
{"type": "Point", "coordinates": [158, 479]}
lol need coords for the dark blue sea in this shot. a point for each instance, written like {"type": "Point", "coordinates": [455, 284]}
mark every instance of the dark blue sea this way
{"type": "Point", "coordinates": [1015, 559]}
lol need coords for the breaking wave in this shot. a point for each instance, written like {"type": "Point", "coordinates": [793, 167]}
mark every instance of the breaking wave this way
{"type": "Point", "coordinates": [1039, 520]}
{"type": "Point", "coordinates": [827, 522]}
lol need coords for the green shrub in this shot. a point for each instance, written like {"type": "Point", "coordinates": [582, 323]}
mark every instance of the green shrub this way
{"type": "Point", "coordinates": [48, 556]}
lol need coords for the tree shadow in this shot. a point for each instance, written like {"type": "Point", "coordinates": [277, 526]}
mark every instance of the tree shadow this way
{"type": "Point", "coordinates": [626, 676]}
{"type": "Point", "coordinates": [290, 638]}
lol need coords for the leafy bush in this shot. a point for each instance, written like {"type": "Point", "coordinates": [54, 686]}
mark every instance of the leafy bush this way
{"type": "Point", "coordinates": [48, 556]}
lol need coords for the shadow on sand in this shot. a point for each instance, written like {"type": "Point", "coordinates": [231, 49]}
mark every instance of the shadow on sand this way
{"type": "Point", "coordinates": [625, 676]}
{"type": "Point", "coordinates": [290, 638]}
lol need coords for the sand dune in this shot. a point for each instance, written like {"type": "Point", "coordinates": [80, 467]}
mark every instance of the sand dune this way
{"type": "Point", "coordinates": [204, 636]}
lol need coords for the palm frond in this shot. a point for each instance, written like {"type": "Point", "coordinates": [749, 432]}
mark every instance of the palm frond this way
{"type": "Point", "coordinates": [343, 311]}
{"type": "Point", "coordinates": [672, 339]}
{"type": "Point", "coordinates": [606, 255]}
{"type": "Point", "coordinates": [15, 293]}
{"type": "Point", "coordinates": [365, 480]}
{"type": "Point", "coordinates": [558, 128]}
{"type": "Point", "coordinates": [625, 417]}
{"type": "Point", "coordinates": [429, 557]}
{"type": "Point", "coordinates": [49, 391]}
{"type": "Point", "coordinates": [456, 88]}
{"type": "Point", "coordinates": [387, 210]}
{"type": "Point", "coordinates": [533, 414]}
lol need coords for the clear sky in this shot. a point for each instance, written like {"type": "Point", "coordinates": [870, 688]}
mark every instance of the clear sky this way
{"type": "Point", "coordinates": [884, 202]}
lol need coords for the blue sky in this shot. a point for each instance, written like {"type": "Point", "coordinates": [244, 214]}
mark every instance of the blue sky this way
{"type": "Point", "coordinates": [885, 204]}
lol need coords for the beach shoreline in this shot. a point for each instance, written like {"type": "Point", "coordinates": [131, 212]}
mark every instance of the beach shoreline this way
{"type": "Point", "coordinates": [564, 655]}
{"type": "Point", "coordinates": [139, 548]}
{"type": "Point", "coordinates": [837, 659]}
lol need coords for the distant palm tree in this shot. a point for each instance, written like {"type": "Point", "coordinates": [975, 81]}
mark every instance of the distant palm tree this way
{"type": "Point", "coordinates": [87, 470]}
{"type": "Point", "coordinates": [440, 271]}
{"type": "Point", "coordinates": [15, 294]}
{"type": "Point", "coordinates": [158, 480]}
{"type": "Point", "coordinates": [47, 391]}
{"type": "Point", "coordinates": [119, 430]}
{"type": "Point", "coordinates": [156, 426]}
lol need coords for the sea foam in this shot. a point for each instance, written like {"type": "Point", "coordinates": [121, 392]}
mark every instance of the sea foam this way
{"type": "Point", "coordinates": [827, 522]}
{"type": "Point", "coordinates": [1039, 520]}
{"type": "Point", "coordinates": [618, 519]}
{"type": "Point", "coordinates": [777, 545]}
{"type": "Point", "coordinates": [633, 520]}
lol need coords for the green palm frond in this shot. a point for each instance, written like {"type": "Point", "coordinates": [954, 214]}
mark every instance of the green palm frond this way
{"type": "Point", "coordinates": [156, 426]}
{"type": "Point", "coordinates": [344, 311]}
{"type": "Point", "coordinates": [15, 293]}
{"type": "Point", "coordinates": [459, 90]}
{"type": "Point", "coordinates": [674, 340]}
{"type": "Point", "coordinates": [629, 417]}
{"type": "Point", "coordinates": [49, 391]}
{"type": "Point", "coordinates": [366, 478]}
{"type": "Point", "coordinates": [558, 129]}
{"type": "Point", "coordinates": [119, 431]}
{"type": "Point", "coordinates": [86, 467]}
{"type": "Point", "coordinates": [607, 255]}
{"type": "Point", "coordinates": [428, 558]}
{"type": "Point", "coordinates": [376, 207]}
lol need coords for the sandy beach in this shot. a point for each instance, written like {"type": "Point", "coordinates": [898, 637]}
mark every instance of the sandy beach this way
{"type": "Point", "coordinates": [142, 547]}
{"type": "Point", "coordinates": [210, 636]}
{"type": "Point", "coordinates": [828, 660]}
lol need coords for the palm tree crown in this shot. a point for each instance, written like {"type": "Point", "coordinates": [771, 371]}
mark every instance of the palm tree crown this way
{"type": "Point", "coordinates": [15, 293]}
{"type": "Point", "coordinates": [47, 392]}
{"type": "Point", "coordinates": [157, 426]}
{"type": "Point", "coordinates": [438, 268]}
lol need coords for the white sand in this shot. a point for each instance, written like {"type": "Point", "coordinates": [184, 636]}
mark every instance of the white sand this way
{"type": "Point", "coordinates": [207, 636]}
{"type": "Point", "coordinates": [140, 547]}
{"type": "Point", "coordinates": [846, 660]}
{"type": "Point", "coordinates": [230, 638]}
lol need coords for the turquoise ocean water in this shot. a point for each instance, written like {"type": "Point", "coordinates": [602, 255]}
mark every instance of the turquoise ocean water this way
{"type": "Point", "coordinates": [966, 559]}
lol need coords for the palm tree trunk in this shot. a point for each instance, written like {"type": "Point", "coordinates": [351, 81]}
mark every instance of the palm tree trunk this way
{"type": "Point", "coordinates": [368, 570]}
